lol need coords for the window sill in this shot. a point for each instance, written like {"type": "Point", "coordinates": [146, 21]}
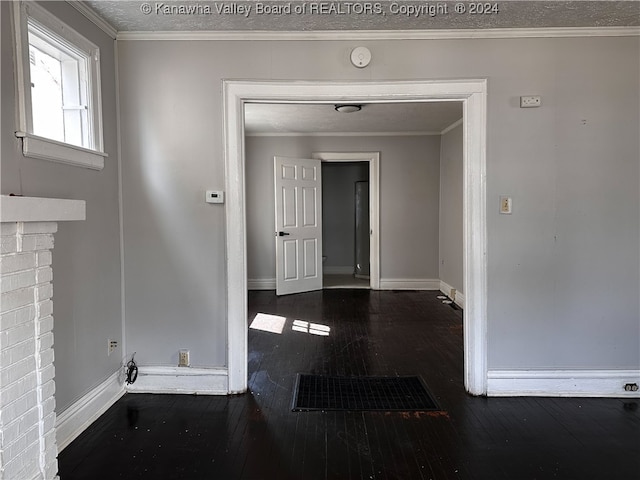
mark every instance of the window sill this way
{"type": "Point", "coordinates": [52, 150]}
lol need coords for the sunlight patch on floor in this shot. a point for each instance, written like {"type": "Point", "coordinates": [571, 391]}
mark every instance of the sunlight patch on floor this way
{"type": "Point", "coordinates": [312, 328]}
{"type": "Point", "coordinates": [268, 323]}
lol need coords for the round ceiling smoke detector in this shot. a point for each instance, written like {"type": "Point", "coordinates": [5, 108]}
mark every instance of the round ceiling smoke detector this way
{"type": "Point", "coordinates": [361, 57]}
{"type": "Point", "coordinates": [348, 108]}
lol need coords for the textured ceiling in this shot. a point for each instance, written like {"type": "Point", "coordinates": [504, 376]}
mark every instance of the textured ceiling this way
{"type": "Point", "coordinates": [355, 15]}
{"type": "Point", "coordinates": [431, 117]}
{"type": "Point", "coordinates": [315, 15]}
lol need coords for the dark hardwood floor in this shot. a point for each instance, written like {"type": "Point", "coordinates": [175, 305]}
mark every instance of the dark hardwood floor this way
{"type": "Point", "coordinates": [256, 436]}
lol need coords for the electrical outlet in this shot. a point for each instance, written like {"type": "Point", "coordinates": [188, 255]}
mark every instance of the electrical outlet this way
{"type": "Point", "coordinates": [530, 101]}
{"type": "Point", "coordinates": [631, 387]}
{"type": "Point", "coordinates": [111, 346]}
{"type": "Point", "coordinates": [452, 294]}
{"type": "Point", "coordinates": [183, 358]}
{"type": "Point", "coordinates": [505, 205]}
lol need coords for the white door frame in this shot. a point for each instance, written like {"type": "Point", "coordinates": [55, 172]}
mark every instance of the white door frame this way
{"type": "Point", "coordinates": [472, 94]}
{"type": "Point", "coordinates": [373, 158]}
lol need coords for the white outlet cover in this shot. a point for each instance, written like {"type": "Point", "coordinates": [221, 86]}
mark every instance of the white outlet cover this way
{"type": "Point", "coordinates": [506, 204]}
{"type": "Point", "coordinates": [530, 101]}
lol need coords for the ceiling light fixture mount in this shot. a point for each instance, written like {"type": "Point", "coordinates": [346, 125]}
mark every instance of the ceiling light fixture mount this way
{"type": "Point", "coordinates": [348, 108]}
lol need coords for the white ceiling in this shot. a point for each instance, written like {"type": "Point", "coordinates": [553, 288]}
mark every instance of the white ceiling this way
{"type": "Point", "coordinates": [152, 15]}
{"type": "Point", "coordinates": [381, 118]}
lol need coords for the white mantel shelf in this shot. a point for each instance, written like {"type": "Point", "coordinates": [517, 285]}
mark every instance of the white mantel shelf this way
{"type": "Point", "coordinates": [38, 209]}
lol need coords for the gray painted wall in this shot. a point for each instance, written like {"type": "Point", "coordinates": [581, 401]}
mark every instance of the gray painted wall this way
{"type": "Point", "coordinates": [86, 257]}
{"type": "Point", "coordinates": [408, 199]}
{"type": "Point", "coordinates": [451, 208]}
{"type": "Point", "coordinates": [339, 211]}
{"type": "Point", "coordinates": [563, 270]}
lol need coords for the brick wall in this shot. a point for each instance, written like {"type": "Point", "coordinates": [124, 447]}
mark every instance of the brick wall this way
{"type": "Point", "coordinates": [27, 418]}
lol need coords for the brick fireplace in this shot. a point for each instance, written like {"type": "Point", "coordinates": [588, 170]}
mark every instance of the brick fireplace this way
{"type": "Point", "coordinates": [28, 448]}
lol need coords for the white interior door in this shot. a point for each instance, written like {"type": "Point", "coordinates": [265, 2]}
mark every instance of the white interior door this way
{"type": "Point", "coordinates": [298, 192]}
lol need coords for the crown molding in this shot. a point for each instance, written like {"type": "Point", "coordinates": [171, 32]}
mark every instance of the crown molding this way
{"type": "Point", "coordinates": [96, 19]}
{"type": "Point", "coordinates": [341, 134]}
{"type": "Point", "coordinates": [356, 134]}
{"type": "Point", "coordinates": [452, 126]}
{"type": "Point", "coordinates": [371, 35]}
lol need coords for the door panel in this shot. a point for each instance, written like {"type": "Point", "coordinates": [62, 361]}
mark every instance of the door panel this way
{"type": "Point", "coordinates": [309, 174]}
{"type": "Point", "coordinates": [310, 207]}
{"type": "Point", "coordinates": [298, 191]}
{"type": "Point", "coordinates": [290, 259]}
{"type": "Point", "coordinates": [289, 172]}
{"type": "Point", "coordinates": [289, 206]}
{"type": "Point", "coordinates": [310, 256]}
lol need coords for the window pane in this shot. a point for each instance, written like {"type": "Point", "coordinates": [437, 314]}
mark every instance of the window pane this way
{"type": "Point", "coordinates": [73, 105]}
{"type": "Point", "coordinates": [46, 95]}
{"type": "Point", "coordinates": [59, 90]}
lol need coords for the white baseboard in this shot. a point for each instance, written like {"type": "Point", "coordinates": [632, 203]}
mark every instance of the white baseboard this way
{"type": "Point", "coordinates": [385, 284]}
{"type": "Point", "coordinates": [561, 383]}
{"type": "Point", "coordinates": [409, 284]}
{"type": "Point", "coordinates": [187, 380]}
{"type": "Point", "coordinates": [329, 270]}
{"type": "Point", "coordinates": [446, 289]}
{"type": "Point", "coordinates": [261, 283]}
{"type": "Point", "coordinates": [75, 419]}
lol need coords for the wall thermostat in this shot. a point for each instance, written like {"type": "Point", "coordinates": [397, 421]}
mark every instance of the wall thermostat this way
{"type": "Point", "coordinates": [360, 57]}
{"type": "Point", "coordinates": [215, 196]}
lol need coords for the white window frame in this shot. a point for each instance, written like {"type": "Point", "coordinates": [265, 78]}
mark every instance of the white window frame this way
{"type": "Point", "coordinates": [45, 148]}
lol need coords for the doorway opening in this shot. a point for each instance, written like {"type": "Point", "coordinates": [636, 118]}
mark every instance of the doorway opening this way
{"type": "Point", "coordinates": [345, 225]}
{"type": "Point", "coordinates": [363, 247]}
{"type": "Point", "coordinates": [472, 94]}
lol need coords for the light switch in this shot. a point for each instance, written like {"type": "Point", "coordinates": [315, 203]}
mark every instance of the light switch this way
{"type": "Point", "coordinates": [215, 196]}
{"type": "Point", "coordinates": [505, 205]}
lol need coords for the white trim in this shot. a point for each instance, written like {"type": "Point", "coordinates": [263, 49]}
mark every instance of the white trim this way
{"type": "Point", "coordinates": [343, 134]}
{"type": "Point", "coordinates": [183, 380]}
{"type": "Point", "coordinates": [374, 203]}
{"type": "Point", "coordinates": [90, 156]}
{"type": "Point", "coordinates": [261, 284]}
{"type": "Point", "coordinates": [52, 23]}
{"type": "Point", "coordinates": [77, 418]}
{"type": "Point", "coordinates": [451, 127]}
{"type": "Point", "coordinates": [123, 313]}
{"type": "Point", "coordinates": [23, 75]}
{"type": "Point", "coordinates": [342, 270]}
{"type": "Point", "coordinates": [459, 300]}
{"type": "Point", "coordinates": [475, 241]}
{"type": "Point", "coordinates": [370, 35]}
{"type": "Point", "coordinates": [446, 289]}
{"type": "Point", "coordinates": [235, 237]}
{"type": "Point", "coordinates": [472, 93]}
{"type": "Point", "coordinates": [47, 149]}
{"type": "Point", "coordinates": [94, 18]}
{"type": "Point", "coordinates": [409, 284]}
{"type": "Point", "coordinates": [40, 209]}
{"type": "Point", "coordinates": [561, 383]}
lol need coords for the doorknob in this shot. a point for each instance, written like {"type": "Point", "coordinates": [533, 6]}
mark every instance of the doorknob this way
{"type": "Point", "coordinates": [282, 234]}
